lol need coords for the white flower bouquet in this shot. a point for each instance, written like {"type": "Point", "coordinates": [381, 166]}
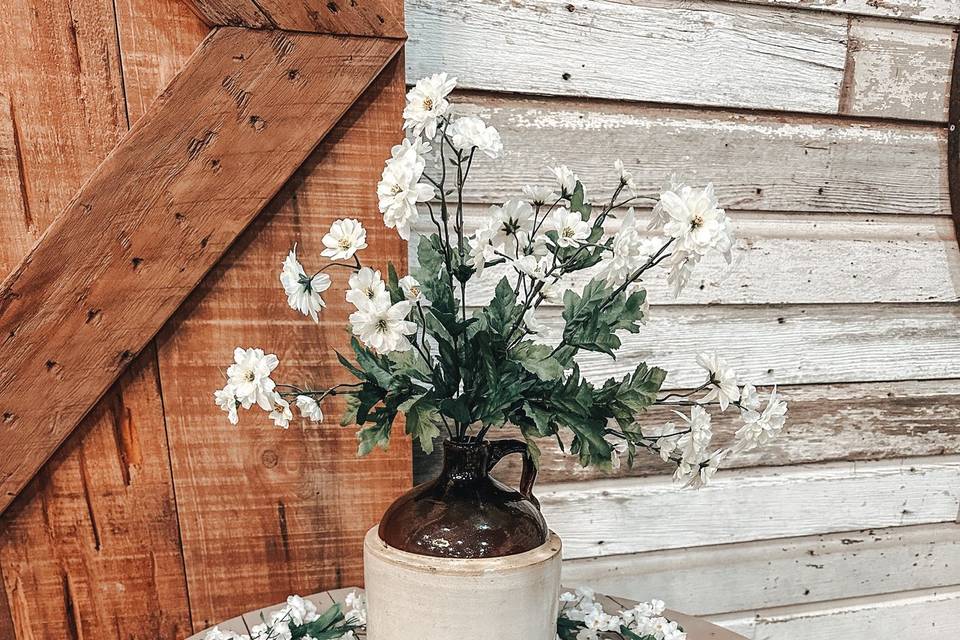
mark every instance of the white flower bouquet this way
{"type": "Point", "coordinates": [420, 350]}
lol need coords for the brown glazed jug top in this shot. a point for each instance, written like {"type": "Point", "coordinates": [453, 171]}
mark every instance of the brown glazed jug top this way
{"type": "Point", "coordinates": [464, 513]}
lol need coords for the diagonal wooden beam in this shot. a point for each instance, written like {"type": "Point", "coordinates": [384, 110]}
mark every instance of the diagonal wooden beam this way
{"type": "Point", "coordinates": [382, 18]}
{"type": "Point", "coordinates": [156, 216]}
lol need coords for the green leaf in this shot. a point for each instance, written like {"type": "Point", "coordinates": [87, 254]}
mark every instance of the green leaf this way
{"type": "Point", "coordinates": [577, 204]}
{"type": "Point", "coordinates": [630, 635]}
{"type": "Point", "coordinates": [375, 367]}
{"type": "Point", "coordinates": [350, 412]}
{"type": "Point", "coordinates": [626, 312]}
{"type": "Point", "coordinates": [499, 316]}
{"type": "Point", "coordinates": [422, 423]}
{"type": "Point", "coordinates": [457, 409]}
{"type": "Point", "coordinates": [538, 360]}
{"type": "Point", "coordinates": [393, 284]}
{"type": "Point", "coordinates": [377, 435]}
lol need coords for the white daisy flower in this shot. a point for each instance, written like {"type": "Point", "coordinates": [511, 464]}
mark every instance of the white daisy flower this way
{"type": "Point", "coordinates": [514, 225]}
{"type": "Point", "coordinates": [469, 132]}
{"type": "Point", "coordinates": [309, 408]}
{"type": "Point", "coordinates": [539, 196]}
{"type": "Point", "coordinates": [412, 291]}
{"type": "Point", "coordinates": [399, 191]}
{"type": "Point", "coordinates": [570, 227]}
{"type": "Point", "coordinates": [281, 413]}
{"type": "Point", "coordinates": [722, 380]}
{"type": "Point", "coordinates": [249, 377]}
{"type": "Point", "coordinates": [626, 177]}
{"type": "Point", "coordinates": [384, 328]}
{"type": "Point", "coordinates": [345, 238]}
{"type": "Point", "coordinates": [226, 399]}
{"type": "Point", "coordinates": [697, 221]}
{"type": "Point", "coordinates": [427, 103]}
{"type": "Point", "coordinates": [303, 291]}
{"type": "Point", "coordinates": [367, 288]}
{"type": "Point", "coordinates": [566, 179]}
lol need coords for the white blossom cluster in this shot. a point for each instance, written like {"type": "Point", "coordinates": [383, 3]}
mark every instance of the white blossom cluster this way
{"type": "Point", "coordinates": [645, 619]}
{"type": "Point", "coordinates": [689, 445]}
{"type": "Point", "coordinates": [282, 623]}
{"type": "Point", "coordinates": [534, 237]}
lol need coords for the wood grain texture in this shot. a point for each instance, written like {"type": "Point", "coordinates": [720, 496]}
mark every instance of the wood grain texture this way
{"type": "Point", "coordinates": [867, 421]}
{"type": "Point", "coordinates": [614, 517]}
{"type": "Point", "coordinates": [15, 217]}
{"type": "Point", "coordinates": [757, 162]}
{"type": "Point", "coordinates": [162, 194]}
{"type": "Point", "coordinates": [266, 512]}
{"type": "Point", "coordinates": [831, 259]}
{"type": "Point", "coordinates": [782, 572]}
{"type": "Point", "coordinates": [68, 122]}
{"type": "Point", "coordinates": [91, 548]}
{"type": "Point", "coordinates": [717, 54]}
{"type": "Point", "coordinates": [790, 344]}
{"type": "Point", "coordinates": [945, 11]}
{"type": "Point", "coordinates": [711, 54]}
{"type": "Point", "coordinates": [156, 39]}
{"type": "Point", "coordinates": [382, 18]}
{"type": "Point", "coordinates": [927, 613]}
{"type": "Point", "coordinates": [898, 70]}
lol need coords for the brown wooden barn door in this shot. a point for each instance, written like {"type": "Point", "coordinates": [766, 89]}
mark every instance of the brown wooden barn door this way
{"type": "Point", "coordinates": [117, 536]}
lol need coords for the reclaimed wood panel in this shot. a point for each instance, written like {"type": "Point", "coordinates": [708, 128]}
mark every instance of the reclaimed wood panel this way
{"type": "Point", "coordinates": [781, 572]}
{"type": "Point", "coordinates": [945, 11]}
{"type": "Point", "coordinates": [932, 614]}
{"type": "Point", "coordinates": [91, 548]}
{"type": "Point", "coordinates": [157, 38]}
{"type": "Point", "coordinates": [349, 17]}
{"type": "Point", "coordinates": [614, 517]}
{"type": "Point", "coordinates": [294, 505]}
{"type": "Point", "coordinates": [19, 233]}
{"type": "Point", "coordinates": [790, 344]}
{"type": "Point", "coordinates": [713, 54]}
{"type": "Point", "coordinates": [72, 46]}
{"type": "Point", "coordinates": [898, 70]}
{"type": "Point", "coordinates": [757, 162]}
{"type": "Point", "coordinates": [161, 189]}
{"type": "Point", "coordinates": [831, 259]}
{"type": "Point", "coordinates": [866, 421]}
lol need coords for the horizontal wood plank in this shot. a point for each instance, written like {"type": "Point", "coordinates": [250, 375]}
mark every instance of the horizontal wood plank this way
{"type": "Point", "coordinates": [156, 215]}
{"type": "Point", "coordinates": [789, 344]}
{"type": "Point", "coordinates": [614, 517]}
{"type": "Point", "coordinates": [774, 573]}
{"type": "Point", "coordinates": [715, 54]}
{"type": "Point", "coordinates": [757, 162]}
{"type": "Point", "coordinates": [898, 70]}
{"type": "Point", "coordinates": [945, 11]}
{"type": "Point", "coordinates": [829, 259]}
{"type": "Point", "coordinates": [868, 421]}
{"type": "Point", "coordinates": [712, 54]}
{"type": "Point", "coordinates": [932, 614]}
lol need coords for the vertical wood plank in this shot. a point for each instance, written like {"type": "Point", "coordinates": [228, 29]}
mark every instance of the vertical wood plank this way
{"type": "Point", "coordinates": [156, 38]}
{"type": "Point", "coordinates": [292, 504]}
{"type": "Point", "coordinates": [19, 232]}
{"type": "Point", "coordinates": [60, 67]}
{"type": "Point", "coordinates": [90, 549]}
{"type": "Point", "coordinates": [134, 584]}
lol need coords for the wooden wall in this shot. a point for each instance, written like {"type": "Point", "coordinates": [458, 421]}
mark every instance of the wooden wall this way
{"type": "Point", "coordinates": [157, 518]}
{"type": "Point", "coordinates": [822, 123]}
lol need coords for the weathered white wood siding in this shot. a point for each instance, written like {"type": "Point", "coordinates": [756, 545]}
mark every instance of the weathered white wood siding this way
{"type": "Point", "coordinates": [821, 123]}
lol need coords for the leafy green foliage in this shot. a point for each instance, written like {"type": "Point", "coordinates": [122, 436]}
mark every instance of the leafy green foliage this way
{"type": "Point", "coordinates": [329, 626]}
{"type": "Point", "coordinates": [593, 317]}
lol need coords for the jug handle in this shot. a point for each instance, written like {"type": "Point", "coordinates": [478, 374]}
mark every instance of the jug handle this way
{"type": "Point", "coordinates": [499, 449]}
